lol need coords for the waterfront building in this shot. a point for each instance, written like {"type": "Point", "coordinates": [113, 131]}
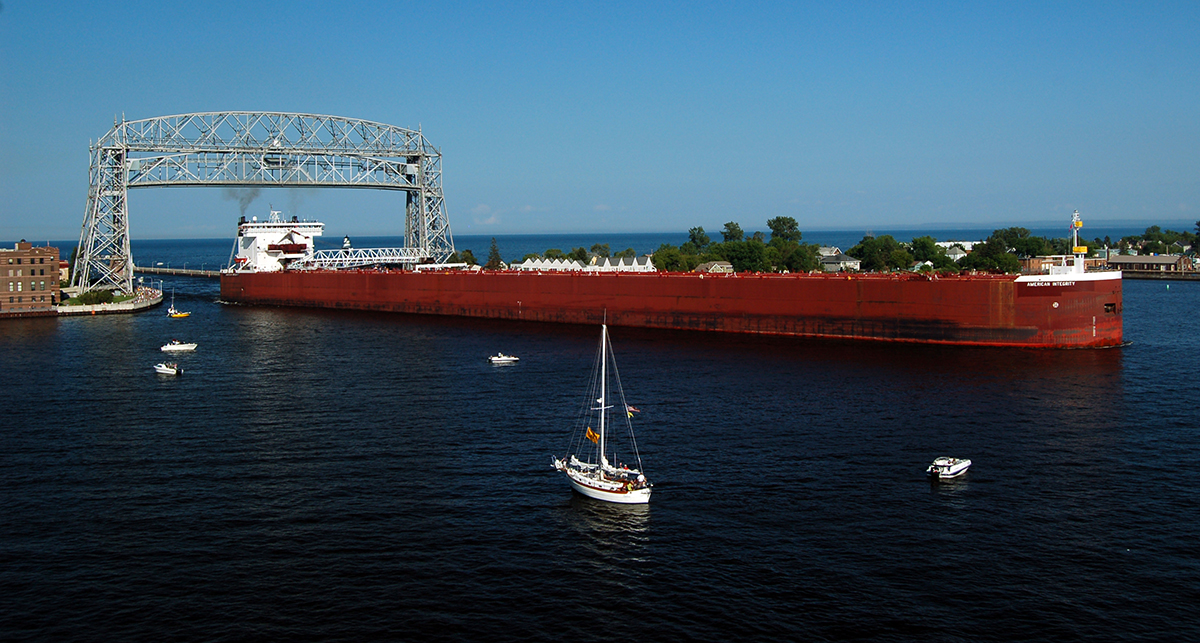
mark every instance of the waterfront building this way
{"type": "Point", "coordinates": [715, 266]}
{"type": "Point", "coordinates": [839, 262]}
{"type": "Point", "coordinates": [548, 265]}
{"type": "Point", "coordinates": [30, 278]}
{"type": "Point", "coordinates": [622, 264]}
{"type": "Point", "coordinates": [1151, 263]}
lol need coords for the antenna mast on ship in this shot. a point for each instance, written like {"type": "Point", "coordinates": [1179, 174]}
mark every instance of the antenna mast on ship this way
{"type": "Point", "coordinates": [1080, 251]}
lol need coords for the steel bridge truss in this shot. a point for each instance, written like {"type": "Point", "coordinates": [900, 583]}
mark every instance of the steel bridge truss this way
{"type": "Point", "coordinates": [259, 149]}
{"type": "Point", "coordinates": [360, 257]}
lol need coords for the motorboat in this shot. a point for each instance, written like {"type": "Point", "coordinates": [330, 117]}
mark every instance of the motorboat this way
{"type": "Point", "coordinates": [946, 468]}
{"type": "Point", "coordinates": [167, 368]}
{"type": "Point", "coordinates": [597, 471]}
{"type": "Point", "coordinates": [177, 346]}
{"type": "Point", "coordinates": [501, 358]}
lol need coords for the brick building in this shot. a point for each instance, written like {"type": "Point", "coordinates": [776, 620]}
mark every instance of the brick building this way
{"type": "Point", "coordinates": [29, 278]}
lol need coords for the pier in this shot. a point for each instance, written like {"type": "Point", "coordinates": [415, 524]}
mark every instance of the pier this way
{"type": "Point", "coordinates": [144, 298]}
{"type": "Point", "coordinates": [177, 272]}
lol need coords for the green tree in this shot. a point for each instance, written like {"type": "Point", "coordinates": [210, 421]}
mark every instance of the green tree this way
{"type": "Point", "coordinates": [600, 249]}
{"type": "Point", "coordinates": [792, 256]}
{"type": "Point", "coordinates": [900, 259]}
{"type": "Point", "coordinates": [554, 253]}
{"type": "Point", "coordinates": [531, 255]}
{"type": "Point", "coordinates": [746, 256]}
{"type": "Point", "coordinates": [668, 258]}
{"type": "Point", "coordinates": [464, 256]}
{"type": "Point", "coordinates": [494, 261]}
{"type": "Point", "coordinates": [880, 253]}
{"type": "Point", "coordinates": [733, 232]}
{"type": "Point", "coordinates": [1023, 243]}
{"type": "Point", "coordinates": [578, 254]}
{"type": "Point", "coordinates": [697, 237]}
{"type": "Point", "coordinates": [926, 249]}
{"type": "Point", "coordinates": [1153, 247]}
{"type": "Point", "coordinates": [784, 228]}
{"type": "Point", "coordinates": [96, 297]}
{"type": "Point", "coordinates": [628, 252]}
{"type": "Point", "coordinates": [991, 255]}
{"type": "Point", "coordinates": [1058, 247]}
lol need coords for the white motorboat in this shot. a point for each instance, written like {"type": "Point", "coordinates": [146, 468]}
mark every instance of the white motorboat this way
{"type": "Point", "coordinates": [177, 346]}
{"type": "Point", "coordinates": [589, 465]}
{"type": "Point", "coordinates": [167, 368]}
{"type": "Point", "coordinates": [501, 358]}
{"type": "Point", "coordinates": [946, 468]}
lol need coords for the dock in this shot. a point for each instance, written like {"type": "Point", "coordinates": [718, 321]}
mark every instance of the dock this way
{"type": "Point", "coordinates": [178, 272]}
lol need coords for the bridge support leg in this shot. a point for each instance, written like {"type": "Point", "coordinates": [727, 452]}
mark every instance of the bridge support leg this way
{"type": "Point", "coordinates": [103, 260]}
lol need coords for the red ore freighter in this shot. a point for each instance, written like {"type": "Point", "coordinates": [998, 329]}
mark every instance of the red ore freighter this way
{"type": "Point", "coordinates": [1068, 307]}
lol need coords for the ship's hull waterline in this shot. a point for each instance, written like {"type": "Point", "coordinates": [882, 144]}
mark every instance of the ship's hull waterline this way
{"type": "Point", "coordinates": [1074, 311]}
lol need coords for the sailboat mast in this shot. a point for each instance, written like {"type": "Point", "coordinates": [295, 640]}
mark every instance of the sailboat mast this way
{"type": "Point", "coordinates": [603, 388]}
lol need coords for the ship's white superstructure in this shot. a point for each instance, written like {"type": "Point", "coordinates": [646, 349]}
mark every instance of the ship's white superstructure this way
{"type": "Point", "coordinates": [271, 245]}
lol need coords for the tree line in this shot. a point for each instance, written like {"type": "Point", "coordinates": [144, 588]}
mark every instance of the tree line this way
{"type": "Point", "coordinates": [1157, 241]}
{"type": "Point", "coordinates": [784, 251]}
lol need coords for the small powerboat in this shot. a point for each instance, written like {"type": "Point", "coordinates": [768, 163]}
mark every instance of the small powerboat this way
{"type": "Point", "coordinates": [167, 368]}
{"type": "Point", "coordinates": [946, 468]}
{"type": "Point", "coordinates": [501, 358]}
{"type": "Point", "coordinates": [177, 346]}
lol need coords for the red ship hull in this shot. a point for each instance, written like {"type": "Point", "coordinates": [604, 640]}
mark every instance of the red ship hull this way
{"type": "Point", "coordinates": [1072, 311]}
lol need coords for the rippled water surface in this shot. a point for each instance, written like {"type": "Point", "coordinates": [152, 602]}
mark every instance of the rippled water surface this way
{"type": "Point", "coordinates": [327, 475]}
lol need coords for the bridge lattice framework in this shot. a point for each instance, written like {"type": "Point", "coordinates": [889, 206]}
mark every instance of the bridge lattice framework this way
{"type": "Point", "coordinates": [258, 149]}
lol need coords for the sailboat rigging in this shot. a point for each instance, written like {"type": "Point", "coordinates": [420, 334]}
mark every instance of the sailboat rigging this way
{"type": "Point", "coordinates": [589, 464]}
{"type": "Point", "coordinates": [172, 312]}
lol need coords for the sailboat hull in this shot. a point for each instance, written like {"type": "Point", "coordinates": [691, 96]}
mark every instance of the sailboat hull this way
{"type": "Point", "coordinates": [633, 497]}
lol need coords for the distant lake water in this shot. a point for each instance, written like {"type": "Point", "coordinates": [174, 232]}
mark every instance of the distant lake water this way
{"type": "Point", "coordinates": [213, 253]}
{"type": "Point", "coordinates": [348, 476]}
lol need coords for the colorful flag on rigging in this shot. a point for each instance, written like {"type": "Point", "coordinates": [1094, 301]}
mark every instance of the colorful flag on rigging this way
{"type": "Point", "coordinates": [592, 436]}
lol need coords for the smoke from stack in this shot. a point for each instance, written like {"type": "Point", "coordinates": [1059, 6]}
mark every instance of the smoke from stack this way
{"type": "Point", "coordinates": [244, 196]}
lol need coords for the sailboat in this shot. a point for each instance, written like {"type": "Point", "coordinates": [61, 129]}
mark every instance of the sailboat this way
{"type": "Point", "coordinates": [171, 312]}
{"type": "Point", "coordinates": [593, 464]}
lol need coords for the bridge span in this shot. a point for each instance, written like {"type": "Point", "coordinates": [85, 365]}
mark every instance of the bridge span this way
{"type": "Point", "coordinates": [257, 149]}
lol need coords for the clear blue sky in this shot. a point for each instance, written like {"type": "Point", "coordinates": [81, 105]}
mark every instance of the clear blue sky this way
{"type": "Point", "coordinates": [635, 117]}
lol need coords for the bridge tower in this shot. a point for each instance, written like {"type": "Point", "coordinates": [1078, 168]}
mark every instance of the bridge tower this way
{"type": "Point", "coordinates": [258, 149]}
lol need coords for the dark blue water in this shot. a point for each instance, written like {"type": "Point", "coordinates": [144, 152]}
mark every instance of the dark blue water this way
{"type": "Point", "coordinates": [327, 475]}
